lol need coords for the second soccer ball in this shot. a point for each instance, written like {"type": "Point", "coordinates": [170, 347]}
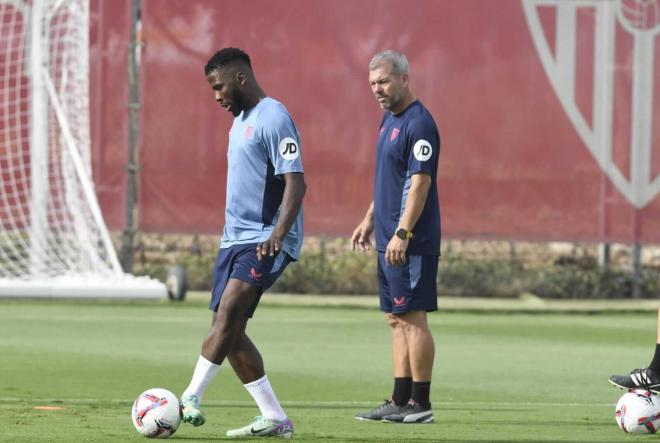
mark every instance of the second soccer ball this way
{"type": "Point", "coordinates": [638, 411]}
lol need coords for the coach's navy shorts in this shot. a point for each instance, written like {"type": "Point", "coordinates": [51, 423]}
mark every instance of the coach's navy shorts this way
{"type": "Point", "coordinates": [240, 262]}
{"type": "Point", "coordinates": [410, 287]}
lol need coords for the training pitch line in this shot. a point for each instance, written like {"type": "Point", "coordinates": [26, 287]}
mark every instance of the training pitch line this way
{"type": "Point", "coordinates": [308, 403]}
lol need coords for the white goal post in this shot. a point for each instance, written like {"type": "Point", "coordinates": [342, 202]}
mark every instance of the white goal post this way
{"type": "Point", "coordinates": [53, 239]}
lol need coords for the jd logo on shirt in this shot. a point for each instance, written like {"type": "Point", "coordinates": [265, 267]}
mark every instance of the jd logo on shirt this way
{"type": "Point", "coordinates": [422, 150]}
{"type": "Point", "coordinates": [289, 148]}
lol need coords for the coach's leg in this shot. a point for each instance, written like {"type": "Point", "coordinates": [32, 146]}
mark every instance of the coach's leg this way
{"type": "Point", "coordinates": [403, 375]}
{"type": "Point", "coordinates": [421, 352]}
{"type": "Point", "coordinates": [400, 351]}
{"type": "Point", "coordinates": [420, 344]}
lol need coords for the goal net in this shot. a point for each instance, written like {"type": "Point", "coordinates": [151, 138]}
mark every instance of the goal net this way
{"type": "Point", "coordinates": [53, 239]}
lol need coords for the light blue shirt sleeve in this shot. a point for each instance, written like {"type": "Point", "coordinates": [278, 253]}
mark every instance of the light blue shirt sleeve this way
{"type": "Point", "coordinates": [281, 139]}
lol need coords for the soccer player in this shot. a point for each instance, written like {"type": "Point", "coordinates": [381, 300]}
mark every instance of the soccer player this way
{"type": "Point", "coordinates": [645, 378]}
{"type": "Point", "coordinates": [405, 216]}
{"type": "Point", "coordinates": [263, 232]}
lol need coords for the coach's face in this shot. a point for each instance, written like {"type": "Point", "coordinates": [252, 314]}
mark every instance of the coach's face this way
{"type": "Point", "coordinates": [227, 84]}
{"type": "Point", "coordinates": [387, 87]}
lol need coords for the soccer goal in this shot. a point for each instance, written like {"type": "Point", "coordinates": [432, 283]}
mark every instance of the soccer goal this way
{"type": "Point", "coordinates": [53, 239]}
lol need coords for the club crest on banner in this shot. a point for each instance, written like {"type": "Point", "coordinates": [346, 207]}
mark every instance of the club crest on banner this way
{"type": "Point", "coordinates": [640, 19]}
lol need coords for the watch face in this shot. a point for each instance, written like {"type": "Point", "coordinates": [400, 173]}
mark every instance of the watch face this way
{"type": "Point", "coordinates": [402, 234]}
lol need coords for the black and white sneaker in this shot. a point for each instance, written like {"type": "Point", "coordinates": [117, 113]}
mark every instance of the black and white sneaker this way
{"type": "Point", "coordinates": [377, 413]}
{"type": "Point", "coordinates": [638, 379]}
{"type": "Point", "coordinates": [411, 413]}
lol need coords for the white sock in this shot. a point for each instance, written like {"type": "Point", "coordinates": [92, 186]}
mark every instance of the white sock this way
{"type": "Point", "coordinates": [263, 394]}
{"type": "Point", "coordinates": [205, 371]}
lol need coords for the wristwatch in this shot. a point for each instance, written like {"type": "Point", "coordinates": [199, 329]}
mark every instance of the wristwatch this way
{"type": "Point", "coordinates": [404, 234]}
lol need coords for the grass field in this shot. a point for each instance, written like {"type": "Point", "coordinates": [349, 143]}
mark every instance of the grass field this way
{"type": "Point", "coordinates": [498, 376]}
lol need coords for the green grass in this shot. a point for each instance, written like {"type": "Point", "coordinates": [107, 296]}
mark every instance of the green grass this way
{"type": "Point", "coordinates": [498, 376]}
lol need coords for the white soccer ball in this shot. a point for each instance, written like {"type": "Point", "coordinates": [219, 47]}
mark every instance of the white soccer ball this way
{"type": "Point", "coordinates": [156, 413]}
{"type": "Point", "coordinates": [638, 411]}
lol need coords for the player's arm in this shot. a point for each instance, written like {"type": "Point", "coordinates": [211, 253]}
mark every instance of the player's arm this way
{"type": "Point", "coordinates": [362, 234]}
{"type": "Point", "coordinates": [419, 188]}
{"type": "Point", "coordinates": [294, 191]}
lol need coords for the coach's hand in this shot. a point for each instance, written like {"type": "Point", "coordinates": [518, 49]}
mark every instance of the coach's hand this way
{"type": "Point", "coordinates": [362, 235]}
{"type": "Point", "coordinates": [269, 248]}
{"type": "Point", "coordinates": [395, 254]}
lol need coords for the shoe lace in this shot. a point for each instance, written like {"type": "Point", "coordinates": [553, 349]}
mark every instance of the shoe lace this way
{"type": "Point", "coordinates": [412, 404]}
{"type": "Point", "coordinates": [385, 404]}
{"type": "Point", "coordinates": [642, 376]}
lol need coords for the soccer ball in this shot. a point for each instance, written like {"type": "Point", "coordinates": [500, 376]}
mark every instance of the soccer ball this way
{"type": "Point", "coordinates": [156, 413]}
{"type": "Point", "coordinates": [638, 411]}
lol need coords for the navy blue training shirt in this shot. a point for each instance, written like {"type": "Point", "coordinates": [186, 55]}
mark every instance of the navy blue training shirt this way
{"type": "Point", "coordinates": [408, 144]}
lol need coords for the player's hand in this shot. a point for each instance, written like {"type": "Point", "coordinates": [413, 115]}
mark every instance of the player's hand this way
{"type": "Point", "coordinates": [269, 248]}
{"type": "Point", "coordinates": [395, 254]}
{"type": "Point", "coordinates": [362, 236]}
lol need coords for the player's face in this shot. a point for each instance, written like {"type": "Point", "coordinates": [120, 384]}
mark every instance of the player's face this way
{"type": "Point", "coordinates": [388, 88]}
{"type": "Point", "coordinates": [226, 84]}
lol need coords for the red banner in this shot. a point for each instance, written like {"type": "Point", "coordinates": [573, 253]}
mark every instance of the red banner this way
{"type": "Point", "coordinates": [544, 111]}
{"type": "Point", "coordinates": [109, 37]}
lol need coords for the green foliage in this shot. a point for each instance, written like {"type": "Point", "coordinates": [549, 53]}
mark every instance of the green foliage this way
{"type": "Point", "coordinates": [576, 282]}
{"type": "Point", "coordinates": [329, 266]}
{"type": "Point", "coordinates": [199, 270]}
{"type": "Point", "coordinates": [463, 277]}
{"type": "Point", "coordinates": [583, 278]}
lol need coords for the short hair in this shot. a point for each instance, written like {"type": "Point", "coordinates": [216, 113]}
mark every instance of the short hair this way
{"type": "Point", "coordinates": [225, 57]}
{"type": "Point", "coordinates": [396, 60]}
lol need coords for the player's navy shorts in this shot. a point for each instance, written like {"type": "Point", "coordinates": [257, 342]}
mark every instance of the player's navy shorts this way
{"type": "Point", "coordinates": [410, 287]}
{"type": "Point", "coordinates": [240, 262]}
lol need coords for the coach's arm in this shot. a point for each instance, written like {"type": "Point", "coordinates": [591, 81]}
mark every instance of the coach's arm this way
{"type": "Point", "coordinates": [395, 254]}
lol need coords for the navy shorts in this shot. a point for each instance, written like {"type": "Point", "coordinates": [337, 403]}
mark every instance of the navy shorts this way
{"type": "Point", "coordinates": [410, 287]}
{"type": "Point", "coordinates": [240, 262]}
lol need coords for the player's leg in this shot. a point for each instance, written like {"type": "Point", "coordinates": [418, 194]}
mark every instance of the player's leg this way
{"type": "Point", "coordinates": [645, 378]}
{"type": "Point", "coordinates": [231, 319]}
{"type": "Point", "coordinates": [206, 370]}
{"type": "Point", "coordinates": [402, 372]}
{"type": "Point", "coordinates": [228, 324]}
{"type": "Point", "coordinates": [246, 360]}
{"type": "Point", "coordinates": [248, 365]}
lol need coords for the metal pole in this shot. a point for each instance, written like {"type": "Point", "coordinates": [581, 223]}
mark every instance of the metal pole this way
{"type": "Point", "coordinates": [133, 165]}
{"type": "Point", "coordinates": [636, 270]}
{"type": "Point", "coordinates": [38, 139]}
{"type": "Point", "coordinates": [636, 255]}
{"type": "Point", "coordinates": [604, 255]}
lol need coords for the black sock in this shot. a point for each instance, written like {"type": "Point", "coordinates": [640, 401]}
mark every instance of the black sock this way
{"type": "Point", "coordinates": [421, 390]}
{"type": "Point", "coordinates": [402, 390]}
{"type": "Point", "coordinates": [655, 363]}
